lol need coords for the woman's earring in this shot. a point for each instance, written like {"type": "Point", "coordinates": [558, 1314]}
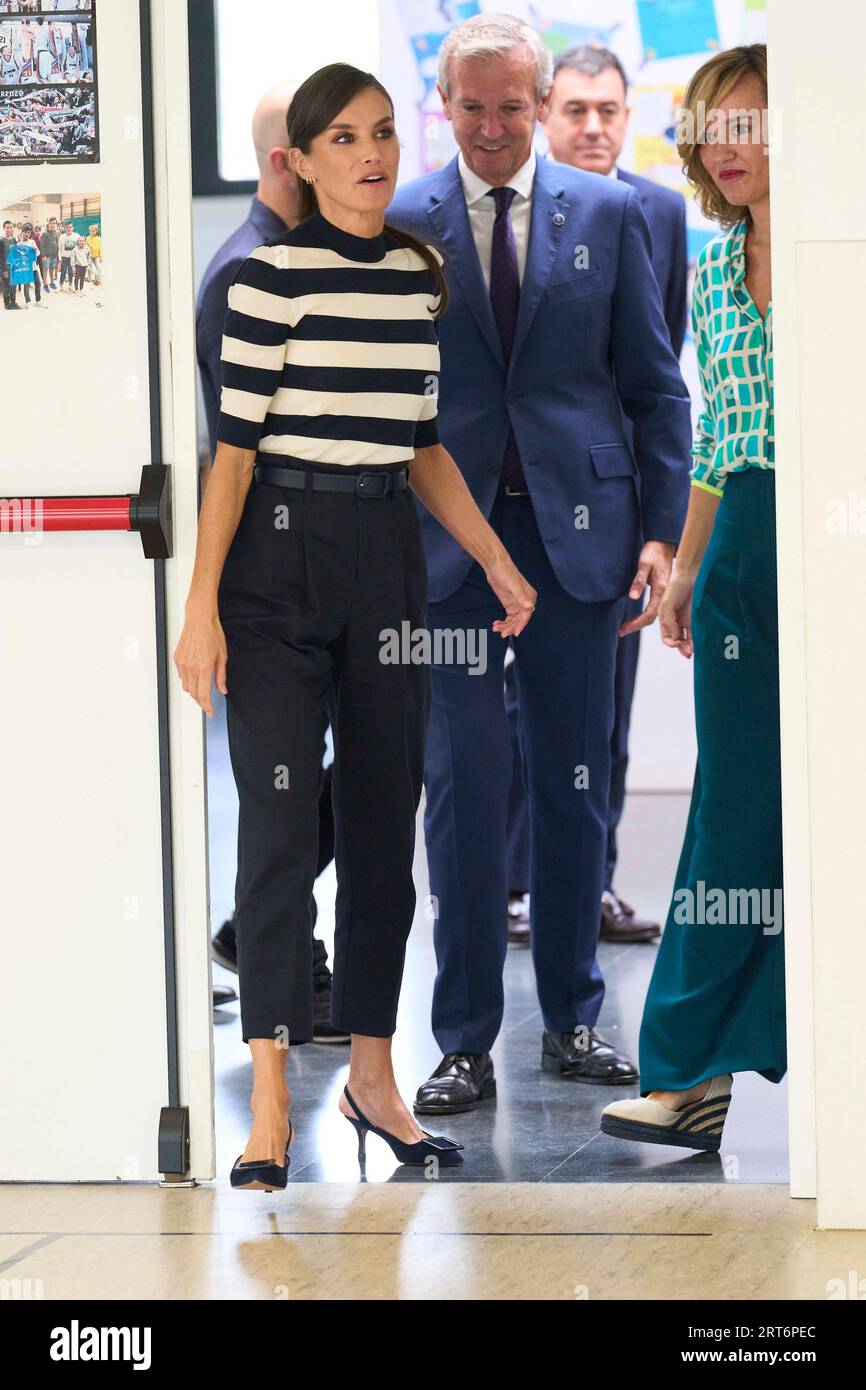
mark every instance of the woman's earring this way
{"type": "Point", "coordinates": [308, 178]}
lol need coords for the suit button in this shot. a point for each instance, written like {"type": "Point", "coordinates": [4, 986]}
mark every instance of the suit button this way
{"type": "Point", "coordinates": [494, 468]}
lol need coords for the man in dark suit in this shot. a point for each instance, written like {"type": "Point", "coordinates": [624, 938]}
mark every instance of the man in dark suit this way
{"type": "Point", "coordinates": [553, 338]}
{"type": "Point", "coordinates": [585, 124]}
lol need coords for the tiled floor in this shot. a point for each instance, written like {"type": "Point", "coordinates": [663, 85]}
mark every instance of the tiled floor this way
{"type": "Point", "coordinates": [541, 1128]}
{"type": "Point", "coordinates": [575, 1242]}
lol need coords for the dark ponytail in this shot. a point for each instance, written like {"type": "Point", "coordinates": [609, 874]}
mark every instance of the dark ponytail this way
{"type": "Point", "coordinates": [314, 106]}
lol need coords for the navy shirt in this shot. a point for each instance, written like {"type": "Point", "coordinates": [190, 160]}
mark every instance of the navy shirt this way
{"type": "Point", "coordinates": [212, 304]}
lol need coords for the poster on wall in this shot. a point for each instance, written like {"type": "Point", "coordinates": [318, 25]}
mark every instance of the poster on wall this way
{"type": "Point", "coordinates": [674, 28]}
{"type": "Point", "coordinates": [426, 24]}
{"type": "Point", "coordinates": [48, 82]}
{"type": "Point", "coordinates": [51, 251]}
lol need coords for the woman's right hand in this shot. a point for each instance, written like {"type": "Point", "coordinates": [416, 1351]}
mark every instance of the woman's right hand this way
{"type": "Point", "coordinates": [201, 656]}
{"type": "Point", "coordinates": [675, 612]}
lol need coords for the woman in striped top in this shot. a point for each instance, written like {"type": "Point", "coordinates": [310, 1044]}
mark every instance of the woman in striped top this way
{"type": "Point", "coordinates": [716, 1002]}
{"type": "Point", "coordinates": [309, 562]}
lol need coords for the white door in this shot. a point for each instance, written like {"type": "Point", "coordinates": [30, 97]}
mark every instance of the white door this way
{"type": "Point", "coordinates": [106, 1016]}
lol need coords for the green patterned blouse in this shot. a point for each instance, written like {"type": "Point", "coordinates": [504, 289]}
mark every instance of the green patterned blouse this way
{"type": "Point", "coordinates": [735, 359]}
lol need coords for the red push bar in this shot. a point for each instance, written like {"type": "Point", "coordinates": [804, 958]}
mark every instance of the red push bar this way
{"type": "Point", "coordinates": [82, 513]}
{"type": "Point", "coordinates": [148, 512]}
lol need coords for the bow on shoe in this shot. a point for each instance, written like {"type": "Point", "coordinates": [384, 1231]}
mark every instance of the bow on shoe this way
{"type": "Point", "coordinates": [440, 1141]}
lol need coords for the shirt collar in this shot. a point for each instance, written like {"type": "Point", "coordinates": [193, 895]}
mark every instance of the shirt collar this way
{"type": "Point", "coordinates": [475, 188]}
{"type": "Point", "coordinates": [736, 250]}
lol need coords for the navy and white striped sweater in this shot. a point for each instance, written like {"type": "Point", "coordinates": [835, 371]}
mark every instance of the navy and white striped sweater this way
{"type": "Point", "coordinates": [330, 352]}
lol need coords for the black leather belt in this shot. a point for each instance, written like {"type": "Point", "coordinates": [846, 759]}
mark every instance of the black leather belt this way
{"type": "Point", "coordinates": [371, 482]}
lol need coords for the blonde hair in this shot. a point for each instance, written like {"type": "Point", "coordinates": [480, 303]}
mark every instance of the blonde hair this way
{"type": "Point", "coordinates": [708, 87]}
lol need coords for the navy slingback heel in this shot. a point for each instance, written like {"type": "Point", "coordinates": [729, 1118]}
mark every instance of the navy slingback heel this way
{"type": "Point", "coordinates": [261, 1174]}
{"type": "Point", "coordinates": [445, 1151]}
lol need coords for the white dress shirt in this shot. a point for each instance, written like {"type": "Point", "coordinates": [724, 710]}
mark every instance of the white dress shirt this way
{"type": "Point", "coordinates": [482, 211]}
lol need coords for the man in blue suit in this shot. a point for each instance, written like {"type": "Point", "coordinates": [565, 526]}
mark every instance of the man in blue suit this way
{"type": "Point", "coordinates": [553, 339]}
{"type": "Point", "coordinates": [585, 125]}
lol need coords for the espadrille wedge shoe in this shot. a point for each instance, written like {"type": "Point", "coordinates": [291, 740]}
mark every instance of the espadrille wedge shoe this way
{"type": "Point", "coordinates": [696, 1126]}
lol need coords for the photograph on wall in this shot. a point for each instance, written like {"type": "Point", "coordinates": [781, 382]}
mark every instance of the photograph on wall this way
{"type": "Point", "coordinates": [47, 83]}
{"type": "Point", "coordinates": [51, 254]}
{"type": "Point", "coordinates": [42, 6]}
{"type": "Point", "coordinates": [676, 28]}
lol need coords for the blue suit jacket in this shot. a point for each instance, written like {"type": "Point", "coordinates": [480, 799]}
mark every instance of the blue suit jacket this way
{"type": "Point", "coordinates": [591, 348]}
{"type": "Point", "coordinates": [665, 211]}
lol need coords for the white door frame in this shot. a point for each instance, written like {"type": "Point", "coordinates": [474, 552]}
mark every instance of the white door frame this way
{"type": "Point", "coordinates": [175, 286]}
{"type": "Point", "coordinates": [819, 305]}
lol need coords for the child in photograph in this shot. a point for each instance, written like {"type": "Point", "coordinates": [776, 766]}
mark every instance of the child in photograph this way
{"type": "Point", "coordinates": [7, 240]}
{"type": "Point", "coordinates": [49, 249]}
{"type": "Point", "coordinates": [80, 263]}
{"type": "Point", "coordinates": [94, 246]}
{"type": "Point", "coordinates": [21, 261]}
{"type": "Point", "coordinates": [68, 243]}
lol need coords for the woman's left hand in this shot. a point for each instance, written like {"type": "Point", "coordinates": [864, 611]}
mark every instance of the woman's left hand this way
{"type": "Point", "coordinates": [517, 597]}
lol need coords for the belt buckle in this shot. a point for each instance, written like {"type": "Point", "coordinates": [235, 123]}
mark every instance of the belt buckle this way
{"type": "Point", "coordinates": [515, 491]}
{"type": "Point", "coordinates": [361, 486]}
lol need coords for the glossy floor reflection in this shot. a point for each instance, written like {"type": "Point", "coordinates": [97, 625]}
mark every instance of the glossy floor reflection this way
{"type": "Point", "coordinates": [540, 1128]}
{"type": "Point", "coordinates": [576, 1242]}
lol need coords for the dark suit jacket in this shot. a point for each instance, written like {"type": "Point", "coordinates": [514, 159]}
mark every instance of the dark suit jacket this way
{"type": "Point", "coordinates": [665, 211]}
{"type": "Point", "coordinates": [212, 303]}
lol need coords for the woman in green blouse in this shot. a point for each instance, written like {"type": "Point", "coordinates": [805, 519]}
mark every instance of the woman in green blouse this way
{"type": "Point", "coordinates": [716, 1002]}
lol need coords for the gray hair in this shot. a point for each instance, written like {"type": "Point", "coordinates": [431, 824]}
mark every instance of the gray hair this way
{"type": "Point", "coordinates": [590, 59]}
{"type": "Point", "coordinates": [493, 36]}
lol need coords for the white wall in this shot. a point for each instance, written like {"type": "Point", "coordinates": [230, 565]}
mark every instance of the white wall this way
{"type": "Point", "coordinates": [819, 297]}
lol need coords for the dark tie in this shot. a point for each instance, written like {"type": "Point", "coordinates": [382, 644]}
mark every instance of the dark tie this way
{"type": "Point", "coordinates": [505, 300]}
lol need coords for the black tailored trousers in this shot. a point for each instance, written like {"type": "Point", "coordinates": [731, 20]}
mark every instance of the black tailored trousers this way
{"type": "Point", "coordinates": [313, 587]}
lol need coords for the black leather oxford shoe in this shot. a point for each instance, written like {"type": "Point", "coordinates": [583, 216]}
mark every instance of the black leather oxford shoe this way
{"type": "Point", "coordinates": [460, 1082]}
{"type": "Point", "coordinates": [585, 1056]}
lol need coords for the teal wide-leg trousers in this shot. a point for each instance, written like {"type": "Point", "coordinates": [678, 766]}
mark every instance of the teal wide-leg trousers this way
{"type": "Point", "coordinates": [716, 1001]}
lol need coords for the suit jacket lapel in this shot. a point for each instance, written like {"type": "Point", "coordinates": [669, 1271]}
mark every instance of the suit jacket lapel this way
{"type": "Point", "coordinates": [450, 219]}
{"type": "Point", "coordinates": [544, 243]}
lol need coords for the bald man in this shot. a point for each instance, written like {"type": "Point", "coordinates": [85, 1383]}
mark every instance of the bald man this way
{"type": "Point", "coordinates": [272, 211]}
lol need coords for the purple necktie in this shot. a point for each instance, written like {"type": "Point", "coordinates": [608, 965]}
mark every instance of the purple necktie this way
{"type": "Point", "coordinates": [505, 300]}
